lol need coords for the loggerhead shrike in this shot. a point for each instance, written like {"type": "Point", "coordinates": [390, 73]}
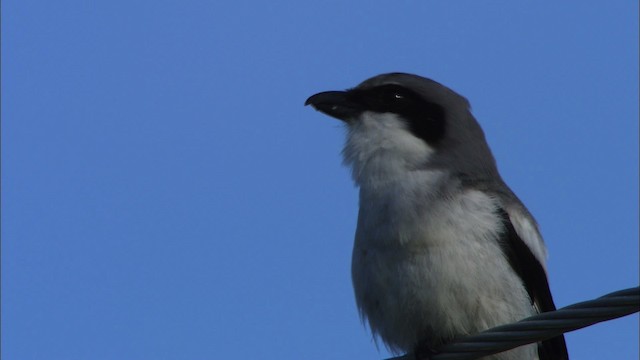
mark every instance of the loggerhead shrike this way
{"type": "Point", "coordinates": [443, 247]}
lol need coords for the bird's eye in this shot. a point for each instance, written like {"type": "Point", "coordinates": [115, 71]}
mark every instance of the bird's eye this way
{"type": "Point", "coordinates": [391, 96]}
{"type": "Point", "coordinates": [388, 98]}
{"type": "Point", "coordinates": [396, 99]}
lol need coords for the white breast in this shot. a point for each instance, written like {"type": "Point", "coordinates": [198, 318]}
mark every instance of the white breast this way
{"type": "Point", "coordinates": [431, 273]}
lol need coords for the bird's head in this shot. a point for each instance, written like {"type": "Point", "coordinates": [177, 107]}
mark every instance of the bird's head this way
{"type": "Point", "coordinates": [402, 122]}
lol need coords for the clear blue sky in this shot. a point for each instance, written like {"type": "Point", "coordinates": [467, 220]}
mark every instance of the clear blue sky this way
{"type": "Point", "coordinates": [166, 195]}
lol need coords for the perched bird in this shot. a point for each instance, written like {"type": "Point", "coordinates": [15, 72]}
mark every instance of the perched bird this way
{"type": "Point", "coordinates": [443, 248]}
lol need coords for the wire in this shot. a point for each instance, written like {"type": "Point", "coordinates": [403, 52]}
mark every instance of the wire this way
{"type": "Point", "coordinates": [539, 327]}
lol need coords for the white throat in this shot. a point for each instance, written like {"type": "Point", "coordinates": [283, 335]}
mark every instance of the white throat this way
{"type": "Point", "coordinates": [381, 149]}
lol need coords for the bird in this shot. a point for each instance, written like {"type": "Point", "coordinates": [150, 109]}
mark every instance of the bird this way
{"type": "Point", "coordinates": [443, 247]}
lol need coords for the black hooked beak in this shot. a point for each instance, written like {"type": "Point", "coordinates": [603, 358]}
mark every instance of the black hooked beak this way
{"type": "Point", "coordinates": [337, 104]}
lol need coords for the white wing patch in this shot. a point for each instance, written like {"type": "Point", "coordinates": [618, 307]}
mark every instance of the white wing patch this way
{"type": "Point", "coordinates": [528, 231]}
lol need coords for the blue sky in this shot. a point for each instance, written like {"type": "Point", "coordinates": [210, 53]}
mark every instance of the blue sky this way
{"type": "Point", "coordinates": [166, 195]}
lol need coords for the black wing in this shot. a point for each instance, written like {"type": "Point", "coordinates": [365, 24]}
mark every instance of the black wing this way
{"type": "Point", "coordinates": [534, 279]}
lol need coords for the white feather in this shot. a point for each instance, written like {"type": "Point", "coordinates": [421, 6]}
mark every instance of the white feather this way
{"type": "Point", "coordinates": [426, 262]}
{"type": "Point", "coordinates": [527, 230]}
